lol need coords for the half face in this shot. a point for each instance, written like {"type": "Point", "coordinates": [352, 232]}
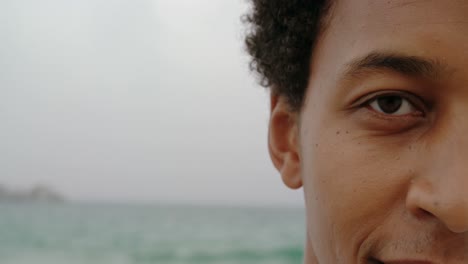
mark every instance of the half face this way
{"type": "Point", "coordinates": [382, 138]}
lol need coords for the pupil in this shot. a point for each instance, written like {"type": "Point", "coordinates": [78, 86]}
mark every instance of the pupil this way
{"type": "Point", "coordinates": [390, 104]}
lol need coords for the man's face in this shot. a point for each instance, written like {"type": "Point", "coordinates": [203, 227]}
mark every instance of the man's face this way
{"type": "Point", "coordinates": [382, 138]}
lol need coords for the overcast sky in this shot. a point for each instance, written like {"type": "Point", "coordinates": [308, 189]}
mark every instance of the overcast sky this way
{"type": "Point", "coordinates": [125, 100]}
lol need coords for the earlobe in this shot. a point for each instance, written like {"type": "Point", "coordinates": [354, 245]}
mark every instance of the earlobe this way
{"type": "Point", "coordinates": [283, 142]}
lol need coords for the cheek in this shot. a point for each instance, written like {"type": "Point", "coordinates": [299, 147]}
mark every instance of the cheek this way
{"type": "Point", "coordinates": [350, 183]}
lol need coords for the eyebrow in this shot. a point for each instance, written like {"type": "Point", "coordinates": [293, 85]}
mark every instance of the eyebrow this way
{"type": "Point", "coordinates": [413, 66]}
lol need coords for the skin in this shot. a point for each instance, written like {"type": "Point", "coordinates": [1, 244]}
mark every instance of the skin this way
{"type": "Point", "coordinates": [382, 187]}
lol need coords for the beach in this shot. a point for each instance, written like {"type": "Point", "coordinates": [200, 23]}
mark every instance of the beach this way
{"type": "Point", "coordinates": [133, 233]}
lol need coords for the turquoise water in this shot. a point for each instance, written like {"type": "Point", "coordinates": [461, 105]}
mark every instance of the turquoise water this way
{"type": "Point", "coordinates": [134, 234]}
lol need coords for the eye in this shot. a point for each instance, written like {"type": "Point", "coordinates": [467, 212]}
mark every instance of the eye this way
{"type": "Point", "coordinates": [392, 111]}
{"type": "Point", "coordinates": [391, 104]}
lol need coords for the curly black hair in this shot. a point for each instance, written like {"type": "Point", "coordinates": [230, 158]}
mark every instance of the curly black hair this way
{"type": "Point", "coordinates": [280, 39]}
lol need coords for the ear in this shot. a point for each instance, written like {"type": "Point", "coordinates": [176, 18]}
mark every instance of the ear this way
{"type": "Point", "coordinates": [283, 142]}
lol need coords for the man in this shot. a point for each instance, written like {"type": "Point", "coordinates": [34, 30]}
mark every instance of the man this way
{"type": "Point", "coordinates": [369, 114]}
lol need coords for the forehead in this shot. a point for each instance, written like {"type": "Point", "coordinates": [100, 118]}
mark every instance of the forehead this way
{"type": "Point", "coordinates": [435, 29]}
{"type": "Point", "coordinates": [384, 20]}
{"type": "Point", "coordinates": [382, 8]}
{"type": "Point", "coordinates": [400, 12]}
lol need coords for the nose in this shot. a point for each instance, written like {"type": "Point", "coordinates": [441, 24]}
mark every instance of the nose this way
{"type": "Point", "coordinates": [450, 208]}
{"type": "Point", "coordinates": [441, 191]}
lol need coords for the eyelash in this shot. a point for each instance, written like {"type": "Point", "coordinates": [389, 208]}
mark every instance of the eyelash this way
{"type": "Point", "coordinates": [417, 102]}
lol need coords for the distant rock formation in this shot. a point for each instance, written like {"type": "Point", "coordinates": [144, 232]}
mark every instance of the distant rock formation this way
{"type": "Point", "coordinates": [38, 193]}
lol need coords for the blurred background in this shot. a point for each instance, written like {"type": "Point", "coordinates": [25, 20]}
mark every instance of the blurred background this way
{"type": "Point", "coordinates": [133, 132]}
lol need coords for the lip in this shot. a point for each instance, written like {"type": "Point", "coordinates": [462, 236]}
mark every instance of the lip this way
{"type": "Point", "coordinates": [407, 262]}
{"type": "Point", "coordinates": [402, 261]}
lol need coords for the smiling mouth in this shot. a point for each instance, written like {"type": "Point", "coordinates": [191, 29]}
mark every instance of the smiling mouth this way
{"type": "Point", "coordinates": [376, 261]}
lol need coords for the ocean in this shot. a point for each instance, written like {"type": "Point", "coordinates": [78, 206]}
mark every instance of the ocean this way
{"type": "Point", "coordinates": [142, 234]}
